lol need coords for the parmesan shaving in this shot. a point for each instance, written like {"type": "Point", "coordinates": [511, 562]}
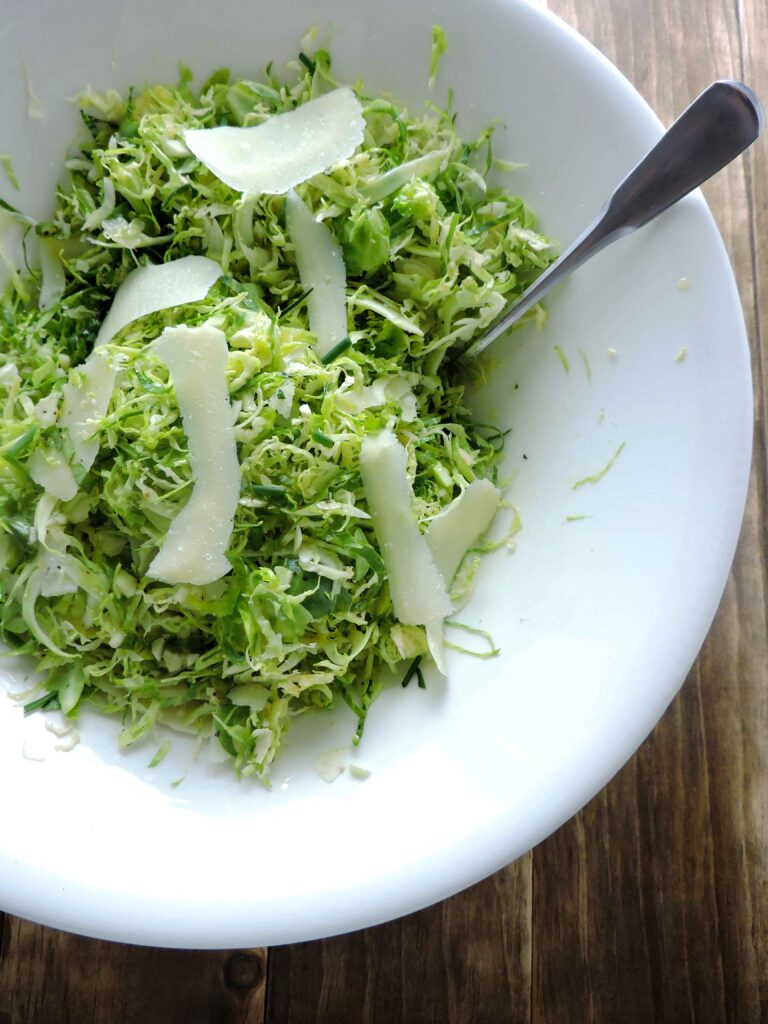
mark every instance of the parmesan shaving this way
{"type": "Point", "coordinates": [158, 286]}
{"type": "Point", "coordinates": [145, 290]}
{"type": "Point", "coordinates": [454, 530]}
{"type": "Point", "coordinates": [84, 405]}
{"type": "Point", "coordinates": [50, 471]}
{"type": "Point", "coordinates": [285, 150]}
{"type": "Point", "coordinates": [418, 591]}
{"type": "Point", "coordinates": [321, 269]}
{"type": "Point", "coordinates": [332, 763]}
{"type": "Point", "coordinates": [194, 547]}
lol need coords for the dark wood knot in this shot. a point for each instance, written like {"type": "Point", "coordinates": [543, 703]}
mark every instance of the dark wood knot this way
{"type": "Point", "coordinates": [243, 971]}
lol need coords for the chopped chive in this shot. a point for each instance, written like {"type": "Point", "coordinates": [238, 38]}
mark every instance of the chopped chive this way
{"type": "Point", "coordinates": [308, 63]}
{"type": "Point", "coordinates": [414, 669]}
{"type": "Point", "coordinates": [93, 124]}
{"type": "Point", "coordinates": [271, 492]}
{"type": "Point", "coordinates": [49, 702]}
{"type": "Point", "coordinates": [296, 302]}
{"type": "Point", "coordinates": [335, 352]}
{"type": "Point", "coordinates": [321, 438]}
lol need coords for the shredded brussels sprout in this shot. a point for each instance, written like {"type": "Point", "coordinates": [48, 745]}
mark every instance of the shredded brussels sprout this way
{"type": "Point", "coordinates": [304, 619]}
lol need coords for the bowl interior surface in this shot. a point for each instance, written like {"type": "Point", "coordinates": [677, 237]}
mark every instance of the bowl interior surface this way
{"type": "Point", "coordinates": [598, 618]}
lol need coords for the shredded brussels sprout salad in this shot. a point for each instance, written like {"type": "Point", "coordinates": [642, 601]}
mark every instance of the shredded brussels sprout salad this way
{"type": "Point", "coordinates": [237, 476]}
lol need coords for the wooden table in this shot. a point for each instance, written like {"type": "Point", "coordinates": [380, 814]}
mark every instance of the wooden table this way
{"type": "Point", "coordinates": [651, 906]}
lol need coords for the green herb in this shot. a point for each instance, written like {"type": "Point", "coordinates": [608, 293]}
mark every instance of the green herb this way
{"type": "Point", "coordinates": [308, 63]}
{"type": "Point", "coordinates": [336, 351]}
{"type": "Point", "coordinates": [414, 669]}
{"type": "Point", "coordinates": [48, 702]}
{"type": "Point", "coordinates": [296, 302]}
{"type": "Point", "coordinates": [270, 492]}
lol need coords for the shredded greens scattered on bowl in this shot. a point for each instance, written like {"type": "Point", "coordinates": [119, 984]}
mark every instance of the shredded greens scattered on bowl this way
{"type": "Point", "coordinates": [304, 617]}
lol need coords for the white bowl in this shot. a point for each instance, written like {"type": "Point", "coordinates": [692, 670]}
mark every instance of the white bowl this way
{"type": "Point", "coordinates": [599, 619]}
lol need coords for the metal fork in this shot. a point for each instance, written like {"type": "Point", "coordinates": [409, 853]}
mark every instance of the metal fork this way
{"type": "Point", "coordinates": [719, 125]}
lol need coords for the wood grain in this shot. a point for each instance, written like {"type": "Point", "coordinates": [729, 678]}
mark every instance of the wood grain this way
{"type": "Point", "coordinates": [467, 959]}
{"type": "Point", "coordinates": [49, 977]}
{"type": "Point", "coordinates": [649, 907]}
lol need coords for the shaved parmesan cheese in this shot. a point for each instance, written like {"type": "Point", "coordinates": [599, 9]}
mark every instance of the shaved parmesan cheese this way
{"type": "Point", "coordinates": [279, 154]}
{"type": "Point", "coordinates": [419, 595]}
{"type": "Point", "coordinates": [434, 631]}
{"type": "Point", "coordinates": [85, 404]}
{"type": "Point", "coordinates": [47, 409]}
{"type": "Point", "coordinates": [56, 579]}
{"type": "Point", "coordinates": [321, 268]}
{"type": "Point", "coordinates": [145, 290]}
{"type": "Point", "coordinates": [49, 470]}
{"type": "Point", "coordinates": [35, 107]}
{"type": "Point", "coordinates": [194, 547]}
{"type": "Point", "coordinates": [330, 765]}
{"type": "Point", "coordinates": [158, 286]}
{"type": "Point", "coordinates": [458, 526]}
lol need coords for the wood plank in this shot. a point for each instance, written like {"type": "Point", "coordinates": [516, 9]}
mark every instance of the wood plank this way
{"type": "Point", "coordinates": [753, 19]}
{"type": "Point", "coordinates": [467, 959]}
{"type": "Point", "coordinates": [659, 911]}
{"type": "Point", "coordinates": [50, 977]}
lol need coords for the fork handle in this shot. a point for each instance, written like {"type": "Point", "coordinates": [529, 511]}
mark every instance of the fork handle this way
{"type": "Point", "coordinates": [719, 125]}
